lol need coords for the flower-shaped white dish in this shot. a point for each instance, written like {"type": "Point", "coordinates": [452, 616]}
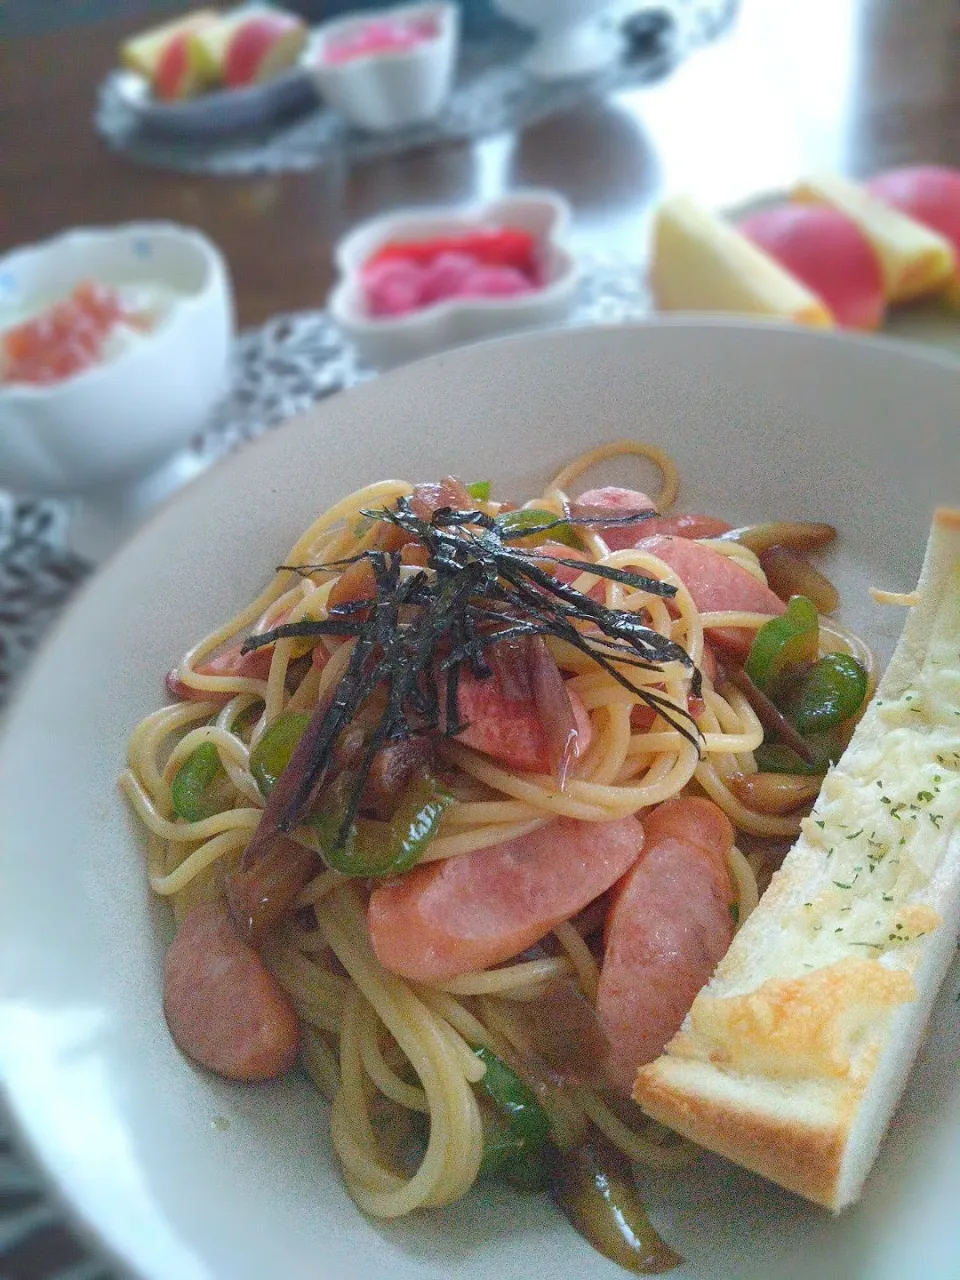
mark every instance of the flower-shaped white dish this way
{"type": "Point", "coordinates": [120, 417]}
{"type": "Point", "coordinates": [385, 341]}
{"type": "Point", "coordinates": [388, 89]}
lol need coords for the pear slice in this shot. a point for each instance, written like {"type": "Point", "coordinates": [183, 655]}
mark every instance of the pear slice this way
{"type": "Point", "coordinates": [702, 263]}
{"type": "Point", "coordinates": [914, 260]}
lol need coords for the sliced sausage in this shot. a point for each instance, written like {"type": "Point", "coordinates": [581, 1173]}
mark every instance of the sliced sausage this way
{"type": "Point", "coordinates": [254, 665]}
{"type": "Point", "coordinates": [669, 925]}
{"type": "Point", "coordinates": [564, 572]}
{"type": "Point", "coordinates": [467, 913]}
{"type": "Point", "coordinates": [504, 722]}
{"type": "Point", "coordinates": [693, 525]}
{"type": "Point", "coordinates": [717, 585]}
{"type": "Point", "coordinates": [450, 492]}
{"type": "Point", "coordinates": [223, 1006]}
{"type": "Point", "coordinates": [612, 501]}
{"type": "Point", "coordinates": [357, 582]}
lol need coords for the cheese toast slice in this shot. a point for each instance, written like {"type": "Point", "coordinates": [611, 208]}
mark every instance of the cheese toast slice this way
{"type": "Point", "coordinates": [793, 1057]}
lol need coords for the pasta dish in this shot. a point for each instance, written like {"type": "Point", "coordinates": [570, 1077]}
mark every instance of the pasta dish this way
{"type": "Point", "coordinates": [462, 811]}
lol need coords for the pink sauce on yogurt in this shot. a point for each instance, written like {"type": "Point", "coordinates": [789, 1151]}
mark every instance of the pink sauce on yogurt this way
{"type": "Point", "coordinates": [381, 35]}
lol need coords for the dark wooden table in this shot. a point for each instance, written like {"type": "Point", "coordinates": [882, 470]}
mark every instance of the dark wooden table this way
{"type": "Point", "coordinates": [847, 85]}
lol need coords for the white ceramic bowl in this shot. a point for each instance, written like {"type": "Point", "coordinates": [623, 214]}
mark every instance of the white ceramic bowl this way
{"type": "Point", "coordinates": [188, 1177]}
{"type": "Point", "coordinates": [385, 91]}
{"type": "Point", "coordinates": [117, 419]}
{"type": "Point", "coordinates": [386, 341]}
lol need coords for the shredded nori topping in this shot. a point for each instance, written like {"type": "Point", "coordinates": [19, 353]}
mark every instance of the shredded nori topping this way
{"type": "Point", "coordinates": [425, 627]}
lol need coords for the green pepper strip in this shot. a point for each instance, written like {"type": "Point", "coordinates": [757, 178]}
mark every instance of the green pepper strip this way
{"type": "Point", "coordinates": [514, 524]}
{"type": "Point", "coordinates": [827, 694]}
{"type": "Point", "coordinates": [480, 490]}
{"type": "Point", "coordinates": [244, 721]}
{"type": "Point", "coordinates": [385, 848]}
{"type": "Point", "coordinates": [786, 641]}
{"type": "Point", "coordinates": [193, 788]}
{"type": "Point", "coordinates": [371, 848]}
{"type": "Point", "coordinates": [517, 1137]}
{"type": "Point", "coordinates": [272, 754]}
{"type": "Point", "coordinates": [827, 748]}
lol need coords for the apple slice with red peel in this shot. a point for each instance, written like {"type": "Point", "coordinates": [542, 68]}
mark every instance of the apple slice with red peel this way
{"type": "Point", "coordinates": [142, 53]}
{"type": "Point", "coordinates": [929, 194]}
{"type": "Point", "coordinates": [263, 47]}
{"type": "Point", "coordinates": [701, 262]}
{"type": "Point", "coordinates": [915, 260]}
{"type": "Point", "coordinates": [179, 74]}
{"type": "Point", "coordinates": [251, 46]}
{"type": "Point", "coordinates": [828, 253]}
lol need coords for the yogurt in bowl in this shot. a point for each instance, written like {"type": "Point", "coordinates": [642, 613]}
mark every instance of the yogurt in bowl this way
{"type": "Point", "coordinates": [93, 324]}
{"type": "Point", "coordinates": [381, 35]}
{"type": "Point", "coordinates": [115, 344]}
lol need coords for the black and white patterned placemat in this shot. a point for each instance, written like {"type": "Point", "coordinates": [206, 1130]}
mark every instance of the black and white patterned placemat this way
{"type": "Point", "coordinates": [493, 93]}
{"type": "Point", "coordinates": [38, 573]}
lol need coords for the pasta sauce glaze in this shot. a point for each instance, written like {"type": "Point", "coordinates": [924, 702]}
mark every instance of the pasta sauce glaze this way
{"type": "Point", "coordinates": [576, 887]}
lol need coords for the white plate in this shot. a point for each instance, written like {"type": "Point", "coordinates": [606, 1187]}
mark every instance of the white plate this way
{"type": "Point", "coordinates": [223, 111]}
{"type": "Point", "coordinates": [187, 1177]}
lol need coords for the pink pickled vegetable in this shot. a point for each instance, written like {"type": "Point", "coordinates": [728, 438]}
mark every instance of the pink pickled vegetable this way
{"type": "Point", "coordinates": [384, 35]}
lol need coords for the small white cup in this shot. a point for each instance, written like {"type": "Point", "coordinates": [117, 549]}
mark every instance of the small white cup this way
{"type": "Point", "coordinates": [390, 90]}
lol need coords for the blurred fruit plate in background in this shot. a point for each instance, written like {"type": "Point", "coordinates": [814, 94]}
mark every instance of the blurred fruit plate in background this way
{"type": "Point", "coordinates": [931, 320]}
{"type": "Point", "coordinates": [208, 74]}
{"type": "Point", "coordinates": [879, 255]}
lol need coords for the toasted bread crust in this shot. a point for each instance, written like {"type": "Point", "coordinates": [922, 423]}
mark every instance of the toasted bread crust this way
{"type": "Point", "coordinates": [803, 1157]}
